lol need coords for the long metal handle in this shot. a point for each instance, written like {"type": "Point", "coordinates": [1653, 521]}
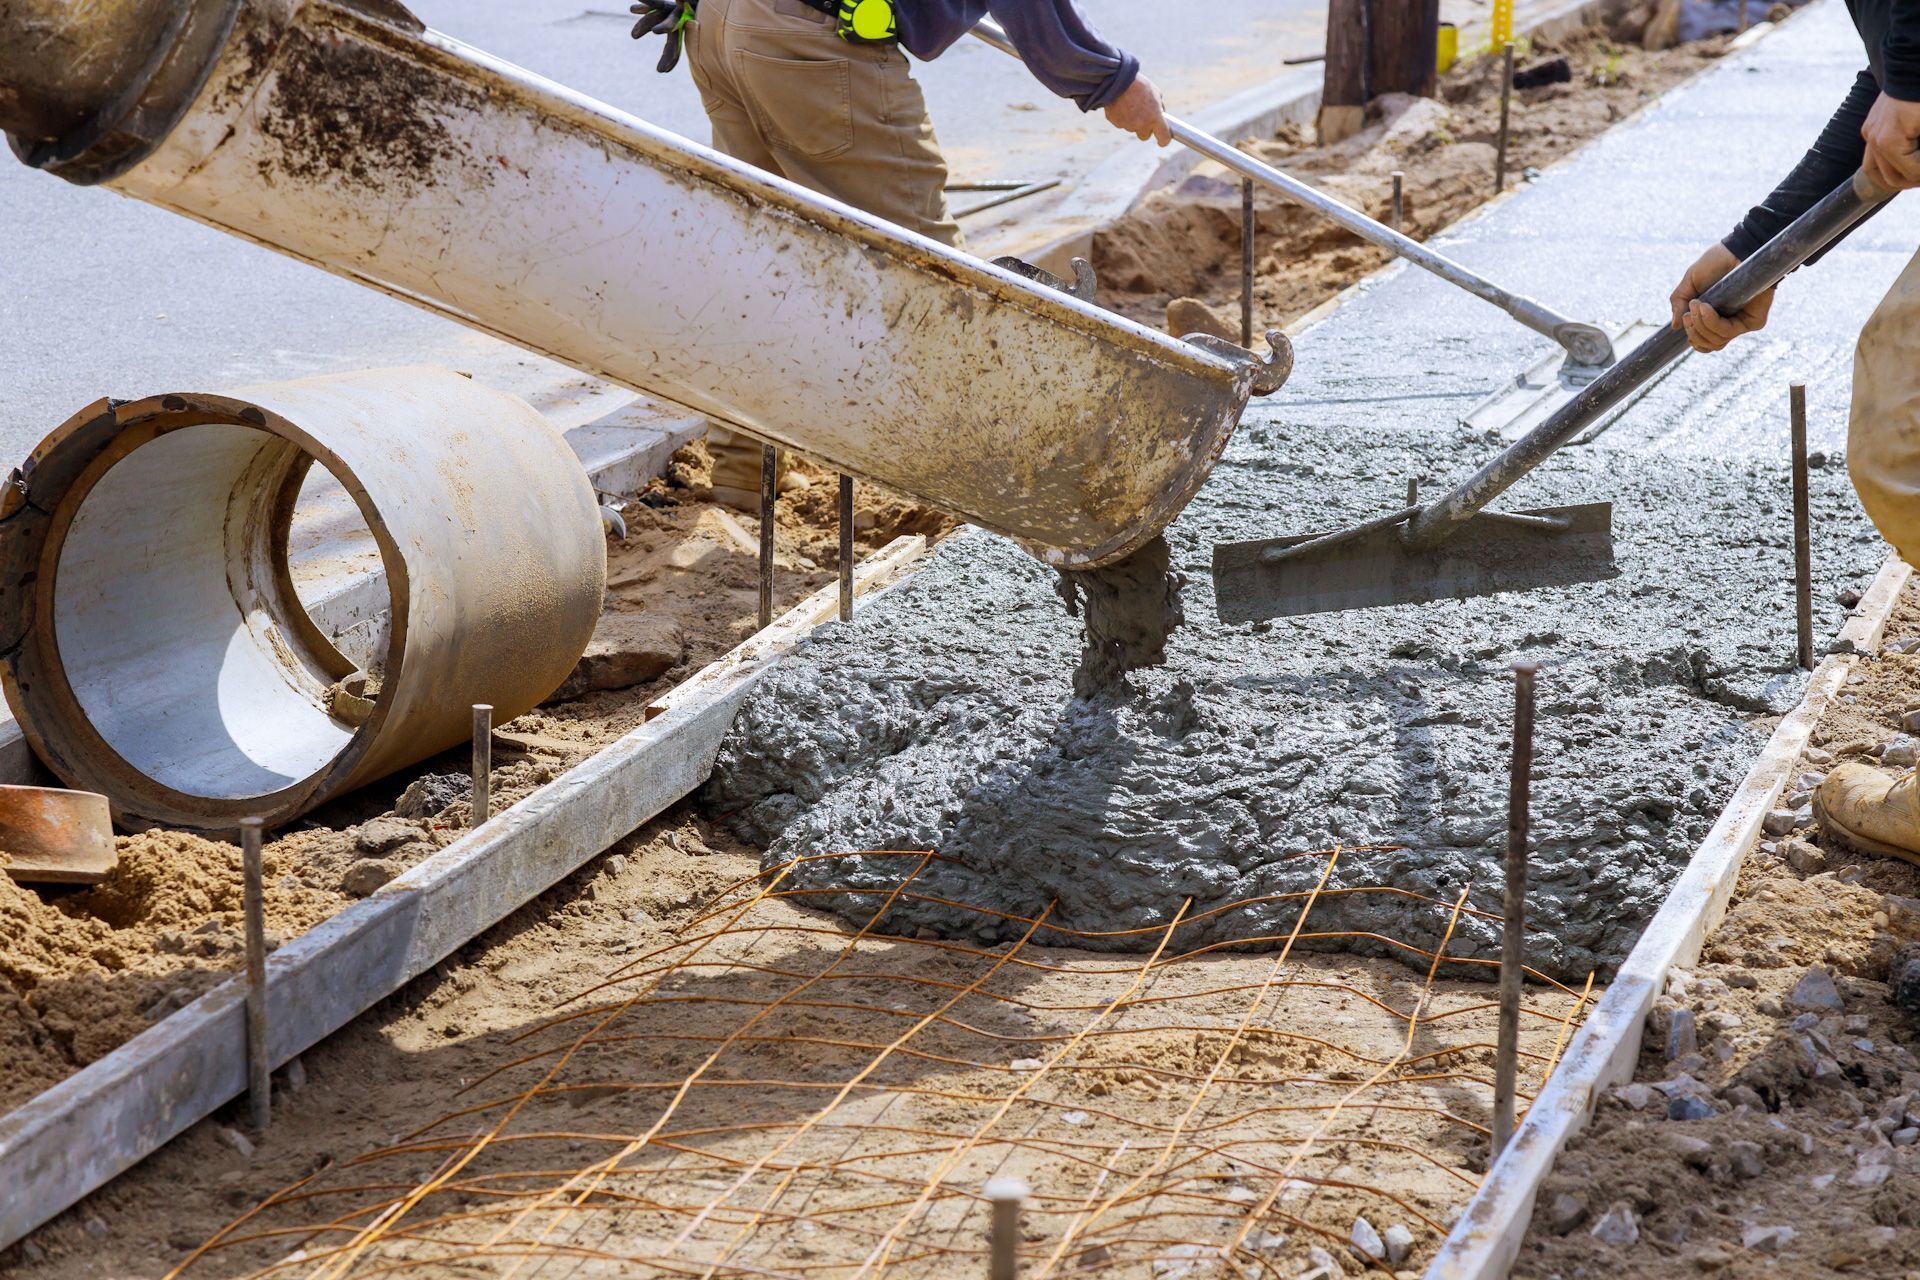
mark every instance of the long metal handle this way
{"type": "Point", "coordinates": [1808, 234]}
{"type": "Point", "coordinates": [1585, 344]}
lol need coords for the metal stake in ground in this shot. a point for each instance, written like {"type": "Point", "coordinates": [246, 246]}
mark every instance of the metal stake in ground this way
{"type": "Point", "coordinates": [846, 548]}
{"type": "Point", "coordinates": [1006, 1195]}
{"type": "Point", "coordinates": [259, 1079]}
{"type": "Point", "coordinates": [1246, 262]}
{"type": "Point", "coordinates": [1512, 939]}
{"type": "Point", "coordinates": [1506, 98]}
{"type": "Point", "coordinates": [769, 473]}
{"type": "Point", "coordinates": [1399, 205]}
{"type": "Point", "coordinates": [1802, 531]}
{"type": "Point", "coordinates": [482, 807]}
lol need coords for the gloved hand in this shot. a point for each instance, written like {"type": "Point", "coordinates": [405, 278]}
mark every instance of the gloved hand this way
{"type": "Point", "coordinates": [668, 17]}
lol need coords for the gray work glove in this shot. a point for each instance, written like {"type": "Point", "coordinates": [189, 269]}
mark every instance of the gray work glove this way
{"type": "Point", "coordinates": [669, 18]}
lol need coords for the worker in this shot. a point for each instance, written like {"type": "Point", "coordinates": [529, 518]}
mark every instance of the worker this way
{"type": "Point", "coordinates": [819, 92]}
{"type": "Point", "coordinates": [1876, 128]}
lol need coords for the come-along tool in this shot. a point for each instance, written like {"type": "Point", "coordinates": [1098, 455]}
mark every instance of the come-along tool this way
{"type": "Point", "coordinates": [1452, 548]}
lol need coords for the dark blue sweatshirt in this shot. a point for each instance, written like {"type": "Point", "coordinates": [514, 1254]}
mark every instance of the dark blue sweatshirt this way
{"type": "Point", "coordinates": [1062, 51]}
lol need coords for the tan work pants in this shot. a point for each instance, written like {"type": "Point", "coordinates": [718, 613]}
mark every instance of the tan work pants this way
{"type": "Point", "coordinates": [1883, 433]}
{"type": "Point", "coordinates": [787, 95]}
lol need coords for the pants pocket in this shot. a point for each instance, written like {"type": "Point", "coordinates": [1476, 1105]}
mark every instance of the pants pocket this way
{"type": "Point", "coordinates": [800, 105]}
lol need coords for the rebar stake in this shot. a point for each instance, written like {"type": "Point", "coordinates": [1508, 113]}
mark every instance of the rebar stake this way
{"type": "Point", "coordinates": [1513, 935]}
{"type": "Point", "coordinates": [482, 807]}
{"type": "Point", "coordinates": [1802, 527]}
{"type": "Point", "coordinates": [769, 472]}
{"type": "Point", "coordinates": [1246, 262]}
{"type": "Point", "coordinates": [1506, 98]}
{"type": "Point", "coordinates": [846, 548]}
{"type": "Point", "coordinates": [259, 1069]}
{"type": "Point", "coordinates": [1007, 1195]}
{"type": "Point", "coordinates": [1399, 205]}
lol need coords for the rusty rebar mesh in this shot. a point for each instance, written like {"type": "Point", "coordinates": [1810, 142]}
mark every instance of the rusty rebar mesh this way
{"type": "Point", "coordinates": [776, 1093]}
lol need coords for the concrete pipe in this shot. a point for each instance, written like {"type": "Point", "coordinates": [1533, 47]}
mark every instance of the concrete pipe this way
{"type": "Point", "coordinates": [154, 645]}
{"type": "Point", "coordinates": [343, 133]}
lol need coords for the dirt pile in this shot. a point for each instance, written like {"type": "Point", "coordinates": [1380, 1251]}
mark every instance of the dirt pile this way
{"type": "Point", "coordinates": [1184, 243]}
{"type": "Point", "coordinates": [1774, 1120]}
{"type": "Point", "coordinates": [81, 972]}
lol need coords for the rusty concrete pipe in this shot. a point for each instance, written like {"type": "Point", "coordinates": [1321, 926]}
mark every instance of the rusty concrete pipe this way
{"type": "Point", "coordinates": [343, 133]}
{"type": "Point", "coordinates": [154, 645]}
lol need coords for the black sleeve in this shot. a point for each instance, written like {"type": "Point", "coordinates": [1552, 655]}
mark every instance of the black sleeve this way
{"type": "Point", "coordinates": [1832, 160]}
{"type": "Point", "coordinates": [1900, 54]}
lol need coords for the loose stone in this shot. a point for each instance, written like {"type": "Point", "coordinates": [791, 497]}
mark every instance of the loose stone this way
{"type": "Point", "coordinates": [1366, 1241]}
{"type": "Point", "coordinates": [1682, 1037]}
{"type": "Point", "coordinates": [1617, 1226]}
{"type": "Point", "coordinates": [1766, 1239]}
{"type": "Point", "coordinates": [1688, 1109]}
{"type": "Point", "coordinates": [1815, 990]}
{"type": "Point", "coordinates": [1805, 858]}
{"type": "Point", "coordinates": [1565, 1213]}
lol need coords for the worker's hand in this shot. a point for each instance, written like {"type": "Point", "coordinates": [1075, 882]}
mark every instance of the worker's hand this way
{"type": "Point", "coordinates": [668, 17]}
{"type": "Point", "coordinates": [1891, 130]}
{"type": "Point", "coordinates": [1707, 329]}
{"type": "Point", "coordinates": [1137, 111]}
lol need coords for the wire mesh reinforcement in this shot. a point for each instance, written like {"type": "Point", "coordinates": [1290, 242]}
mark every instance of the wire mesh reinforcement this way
{"type": "Point", "coordinates": [775, 1093]}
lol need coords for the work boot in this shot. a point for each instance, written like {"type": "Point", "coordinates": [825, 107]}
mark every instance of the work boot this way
{"type": "Point", "coordinates": [1870, 811]}
{"type": "Point", "coordinates": [736, 468]}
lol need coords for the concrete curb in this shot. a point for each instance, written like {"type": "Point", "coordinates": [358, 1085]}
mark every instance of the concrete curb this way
{"type": "Point", "coordinates": [1486, 1239]}
{"type": "Point", "coordinates": [96, 1124]}
{"type": "Point", "coordinates": [620, 450]}
{"type": "Point", "coordinates": [1111, 189]}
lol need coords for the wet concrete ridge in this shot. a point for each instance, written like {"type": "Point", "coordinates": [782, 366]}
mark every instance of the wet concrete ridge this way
{"type": "Point", "coordinates": [945, 719]}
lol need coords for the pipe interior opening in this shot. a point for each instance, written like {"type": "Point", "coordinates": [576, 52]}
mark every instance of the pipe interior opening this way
{"type": "Point", "coordinates": [174, 628]}
{"type": "Point", "coordinates": [334, 562]}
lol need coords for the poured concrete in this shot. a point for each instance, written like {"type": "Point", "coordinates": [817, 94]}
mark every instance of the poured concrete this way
{"type": "Point", "coordinates": [944, 719]}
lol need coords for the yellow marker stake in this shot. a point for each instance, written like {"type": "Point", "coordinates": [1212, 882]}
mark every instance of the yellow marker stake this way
{"type": "Point", "coordinates": [1502, 23]}
{"type": "Point", "coordinates": [1448, 49]}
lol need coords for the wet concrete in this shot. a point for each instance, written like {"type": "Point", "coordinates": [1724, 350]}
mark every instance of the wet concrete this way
{"type": "Point", "coordinates": [1128, 612]}
{"type": "Point", "coordinates": [944, 718]}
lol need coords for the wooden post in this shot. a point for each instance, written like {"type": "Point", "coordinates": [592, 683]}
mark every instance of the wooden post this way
{"type": "Point", "coordinates": [1406, 42]}
{"type": "Point", "coordinates": [1375, 47]}
{"type": "Point", "coordinates": [1343, 87]}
